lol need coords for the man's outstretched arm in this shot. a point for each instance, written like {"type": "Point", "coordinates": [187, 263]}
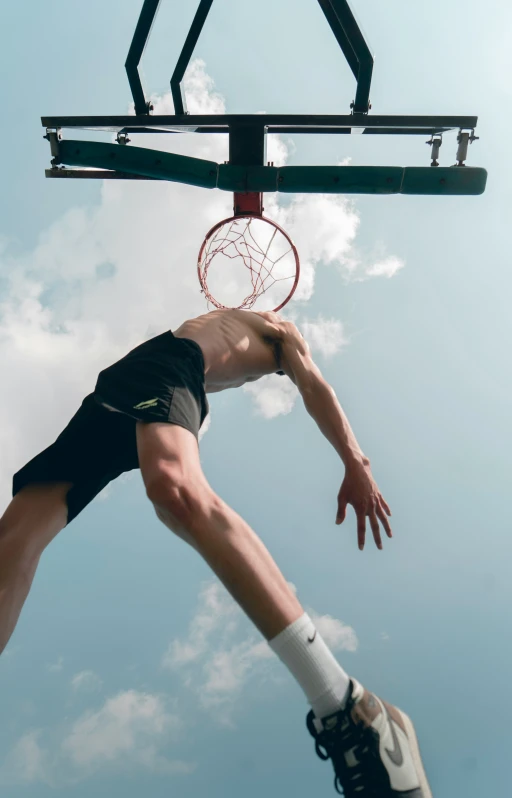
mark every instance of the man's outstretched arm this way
{"type": "Point", "coordinates": [359, 487]}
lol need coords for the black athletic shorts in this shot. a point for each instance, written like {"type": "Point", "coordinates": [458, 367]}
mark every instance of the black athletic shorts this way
{"type": "Point", "coordinates": [160, 380]}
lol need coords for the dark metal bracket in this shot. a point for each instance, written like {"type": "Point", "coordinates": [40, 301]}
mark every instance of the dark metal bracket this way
{"type": "Point", "coordinates": [137, 47]}
{"type": "Point", "coordinates": [178, 95]}
{"type": "Point", "coordinates": [355, 49]}
{"type": "Point", "coordinates": [337, 12]}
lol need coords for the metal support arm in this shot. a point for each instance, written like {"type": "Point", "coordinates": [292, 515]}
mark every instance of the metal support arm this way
{"type": "Point", "coordinates": [355, 49]}
{"type": "Point", "coordinates": [337, 12]}
{"type": "Point", "coordinates": [178, 95]}
{"type": "Point", "coordinates": [138, 45]}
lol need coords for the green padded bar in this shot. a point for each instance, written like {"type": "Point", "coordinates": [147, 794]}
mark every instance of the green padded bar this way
{"type": "Point", "coordinates": [340, 179]}
{"type": "Point", "coordinates": [454, 180]}
{"type": "Point", "coordinates": [354, 179]}
{"type": "Point", "coordinates": [247, 178]}
{"type": "Point", "coordinates": [140, 161]}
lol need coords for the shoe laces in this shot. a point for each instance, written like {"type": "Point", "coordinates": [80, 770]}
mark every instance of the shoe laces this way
{"type": "Point", "coordinates": [353, 749]}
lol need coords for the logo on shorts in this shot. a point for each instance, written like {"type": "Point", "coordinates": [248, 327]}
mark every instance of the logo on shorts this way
{"type": "Point", "coordinates": [147, 404]}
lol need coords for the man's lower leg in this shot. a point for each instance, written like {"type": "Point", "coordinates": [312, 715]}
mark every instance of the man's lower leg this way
{"type": "Point", "coordinates": [16, 576]}
{"type": "Point", "coordinates": [304, 652]}
{"type": "Point", "coordinates": [32, 519]}
{"type": "Point", "coordinates": [245, 567]}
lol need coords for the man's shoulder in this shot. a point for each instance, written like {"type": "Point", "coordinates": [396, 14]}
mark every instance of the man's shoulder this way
{"type": "Point", "coordinates": [283, 325]}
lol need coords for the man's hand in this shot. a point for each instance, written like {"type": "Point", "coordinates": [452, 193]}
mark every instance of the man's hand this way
{"type": "Point", "coordinates": [360, 490]}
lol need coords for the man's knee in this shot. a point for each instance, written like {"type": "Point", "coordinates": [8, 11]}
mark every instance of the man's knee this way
{"type": "Point", "coordinates": [184, 505]}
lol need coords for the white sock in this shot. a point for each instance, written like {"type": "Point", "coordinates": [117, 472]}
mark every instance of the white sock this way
{"type": "Point", "coordinates": [307, 657]}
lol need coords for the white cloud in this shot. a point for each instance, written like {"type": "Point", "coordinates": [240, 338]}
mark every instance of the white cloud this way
{"type": "Point", "coordinates": [227, 670]}
{"type": "Point", "coordinates": [323, 227]}
{"type": "Point", "coordinates": [129, 731]}
{"type": "Point", "coordinates": [223, 652]}
{"type": "Point", "coordinates": [386, 268]}
{"type": "Point", "coordinates": [215, 615]}
{"type": "Point", "coordinates": [26, 762]}
{"type": "Point", "coordinates": [86, 681]}
{"type": "Point", "coordinates": [272, 395]}
{"type": "Point", "coordinates": [214, 662]}
{"type": "Point", "coordinates": [337, 635]}
{"type": "Point", "coordinates": [324, 335]}
{"type": "Point", "coordinates": [357, 268]}
{"type": "Point", "coordinates": [122, 729]}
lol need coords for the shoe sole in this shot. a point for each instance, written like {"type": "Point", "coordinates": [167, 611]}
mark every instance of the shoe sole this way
{"type": "Point", "coordinates": [416, 756]}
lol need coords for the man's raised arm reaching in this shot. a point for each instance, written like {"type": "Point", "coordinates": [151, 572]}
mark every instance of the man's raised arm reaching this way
{"type": "Point", "coordinates": [358, 488]}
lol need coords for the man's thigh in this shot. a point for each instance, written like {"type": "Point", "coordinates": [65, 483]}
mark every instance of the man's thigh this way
{"type": "Point", "coordinates": [173, 477]}
{"type": "Point", "coordinates": [167, 450]}
{"type": "Point", "coordinates": [95, 447]}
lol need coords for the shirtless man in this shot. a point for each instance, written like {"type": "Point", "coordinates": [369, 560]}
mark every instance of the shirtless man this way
{"type": "Point", "coordinates": [146, 412]}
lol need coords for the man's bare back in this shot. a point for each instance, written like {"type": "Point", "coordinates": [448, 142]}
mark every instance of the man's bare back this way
{"type": "Point", "coordinates": [238, 346]}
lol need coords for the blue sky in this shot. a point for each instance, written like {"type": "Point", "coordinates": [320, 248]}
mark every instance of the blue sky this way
{"type": "Point", "coordinates": [131, 670]}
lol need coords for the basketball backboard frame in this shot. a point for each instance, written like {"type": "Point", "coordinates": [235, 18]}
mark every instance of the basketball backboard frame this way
{"type": "Point", "coordinates": [248, 132]}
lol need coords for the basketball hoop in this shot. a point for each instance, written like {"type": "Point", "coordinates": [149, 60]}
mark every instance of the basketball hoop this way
{"type": "Point", "coordinates": [261, 246]}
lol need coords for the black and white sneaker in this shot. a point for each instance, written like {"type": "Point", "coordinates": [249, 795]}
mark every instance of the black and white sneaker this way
{"type": "Point", "coordinates": [373, 748]}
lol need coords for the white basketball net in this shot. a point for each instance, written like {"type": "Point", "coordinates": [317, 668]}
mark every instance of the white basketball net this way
{"type": "Point", "coordinates": [268, 256]}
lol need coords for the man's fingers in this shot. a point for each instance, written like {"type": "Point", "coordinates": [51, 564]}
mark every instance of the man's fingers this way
{"type": "Point", "coordinates": [385, 505]}
{"type": "Point", "coordinates": [375, 528]}
{"type": "Point", "coordinates": [361, 528]}
{"type": "Point", "coordinates": [342, 511]}
{"type": "Point", "coordinates": [384, 521]}
{"type": "Point", "coordinates": [376, 509]}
